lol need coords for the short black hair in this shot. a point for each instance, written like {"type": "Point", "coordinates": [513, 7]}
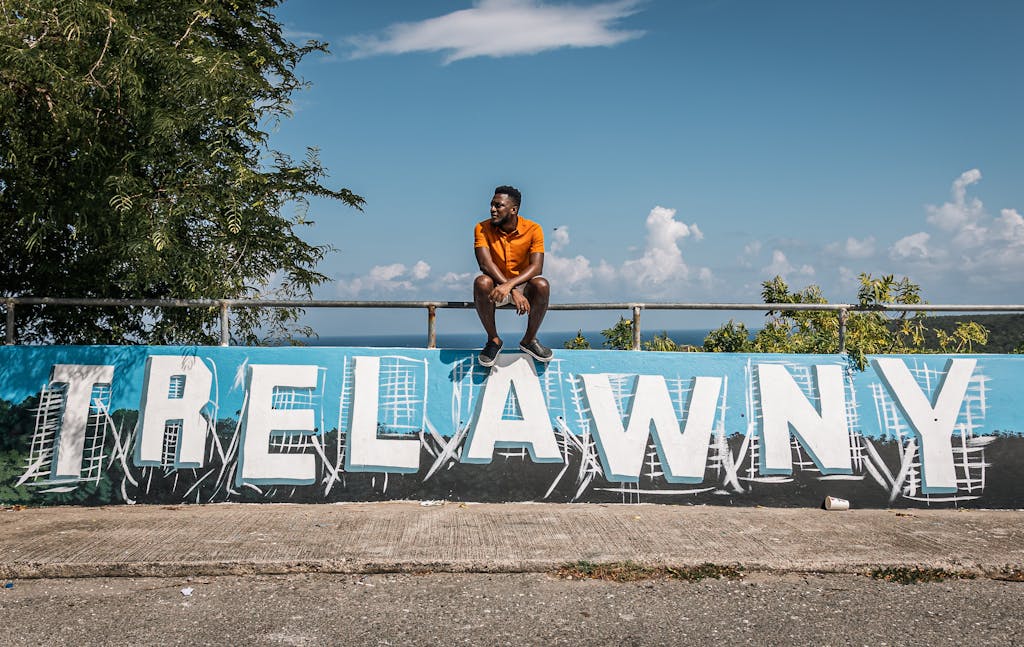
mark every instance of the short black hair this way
{"type": "Point", "coordinates": [511, 192]}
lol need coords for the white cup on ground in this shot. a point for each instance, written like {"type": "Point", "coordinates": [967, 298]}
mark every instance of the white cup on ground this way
{"type": "Point", "coordinates": [835, 503]}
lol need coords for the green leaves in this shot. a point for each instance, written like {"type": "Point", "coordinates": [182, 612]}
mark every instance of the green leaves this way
{"type": "Point", "coordinates": [134, 163]}
{"type": "Point", "coordinates": [871, 332]}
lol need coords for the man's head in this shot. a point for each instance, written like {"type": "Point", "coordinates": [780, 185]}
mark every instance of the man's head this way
{"type": "Point", "coordinates": [511, 192]}
{"type": "Point", "coordinates": [505, 206]}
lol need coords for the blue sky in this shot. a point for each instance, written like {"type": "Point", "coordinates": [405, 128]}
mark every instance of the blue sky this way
{"type": "Point", "coordinates": [684, 150]}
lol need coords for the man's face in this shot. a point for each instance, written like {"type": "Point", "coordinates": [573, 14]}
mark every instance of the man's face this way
{"type": "Point", "coordinates": [502, 209]}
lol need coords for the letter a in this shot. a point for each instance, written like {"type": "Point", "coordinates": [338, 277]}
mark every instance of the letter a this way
{"type": "Point", "coordinates": [488, 429]}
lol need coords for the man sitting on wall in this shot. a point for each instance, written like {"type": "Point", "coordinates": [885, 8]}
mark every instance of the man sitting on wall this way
{"type": "Point", "coordinates": [510, 252]}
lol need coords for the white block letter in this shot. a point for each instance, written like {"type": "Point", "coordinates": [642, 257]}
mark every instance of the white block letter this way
{"type": "Point", "coordinates": [366, 452]}
{"type": "Point", "coordinates": [683, 448]}
{"type": "Point", "coordinates": [825, 435]}
{"type": "Point", "coordinates": [260, 420]}
{"type": "Point", "coordinates": [80, 378]}
{"type": "Point", "coordinates": [933, 424]}
{"type": "Point", "coordinates": [488, 430]}
{"type": "Point", "coordinates": [181, 401]}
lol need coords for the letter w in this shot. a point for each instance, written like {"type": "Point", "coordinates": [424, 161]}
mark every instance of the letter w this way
{"type": "Point", "coordinates": [683, 449]}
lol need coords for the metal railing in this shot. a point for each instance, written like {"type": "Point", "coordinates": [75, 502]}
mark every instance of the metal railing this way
{"type": "Point", "coordinates": [842, 310]}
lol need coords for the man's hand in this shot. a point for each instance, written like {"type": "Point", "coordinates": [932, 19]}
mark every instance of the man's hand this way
{"type": "Point", "coordinates": [501, 292]}
{"type": "Point", "coordinates": [520, 302]}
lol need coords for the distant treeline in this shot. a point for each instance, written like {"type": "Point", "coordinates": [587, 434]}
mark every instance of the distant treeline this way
{"type": "Point", "coordinates": [1005, 331]}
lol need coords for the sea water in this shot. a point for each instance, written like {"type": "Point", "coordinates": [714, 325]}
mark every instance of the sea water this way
{"type": "Point", "coordinates": [554, 339]}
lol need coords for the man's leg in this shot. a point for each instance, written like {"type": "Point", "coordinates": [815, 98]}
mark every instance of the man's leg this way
{"type": "Point", "coordinates": [485, 307]}
{"type": "Point", "coordinates": [537, 292]}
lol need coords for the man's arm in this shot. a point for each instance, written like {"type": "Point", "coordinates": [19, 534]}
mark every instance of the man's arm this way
{"type": "Point", "coordinates": [514, 285]}
{"type": "Point", "coordinates": [488, 266]}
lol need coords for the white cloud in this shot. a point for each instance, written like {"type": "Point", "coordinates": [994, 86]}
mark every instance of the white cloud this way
{"type": "Point", "coordinates": [1010, 227]}
{"type": "Point", "coordinates": [989, 251]}
{"type": "Point", "coordinates": [385, 273]}
{"type": "Point", "coordinates": [951, 216]}
{"type": "Point", "coordinates": [659, 269]}
{"type": "Point", "coordinates": [852, 248]}
{"type": "Point", "coordinates": [385, 280]}
{"type": "Point", "coordinates": [558, 238]}
{"type": "Point", "coordinates": [420, 271]}
{"type": "Point", "coordinates": [662, 259]}
{"type": "Point", "coordinates": [961, 253]}
{"type": "Point", "coordinates": [911, 248]}
{"type": "Point", "coordinates": [459, 281]}
{"type": "Point", "coordinates": [572, 275]}
{"type": "Point", "coordinates": [780, 266]}
{"type": "Point", "coordinates": [499, 28]}
{"type": "Point", "coordinates": [750, 252]}
{"type": "Point", "coordinates": [301, 36]}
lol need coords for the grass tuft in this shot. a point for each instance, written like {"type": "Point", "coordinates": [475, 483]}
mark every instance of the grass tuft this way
{"type": "Point", "coordinates": [633, 572]}
{"type": "Point", "coordinates": [917, 575]}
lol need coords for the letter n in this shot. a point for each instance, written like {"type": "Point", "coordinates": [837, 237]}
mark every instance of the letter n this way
{"type": "Point", "coordinates": [824, 434]}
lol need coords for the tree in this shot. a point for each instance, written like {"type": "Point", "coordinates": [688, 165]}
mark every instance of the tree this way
{"type": "Point", "coordinates": [619, 336]}
{"type": "Point", "coordinates": [867, 332]}
{"type": "Point", "coordinates": [579, 342]}
{"type": "Point", "coordinates": [135, 163]}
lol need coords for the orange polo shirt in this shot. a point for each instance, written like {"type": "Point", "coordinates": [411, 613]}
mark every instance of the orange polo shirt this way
{"type": "Point", "coordinates": [510, 252]}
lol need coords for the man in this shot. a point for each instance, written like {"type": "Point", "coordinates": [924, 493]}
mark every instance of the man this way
{"type": "Point", "coordinates": [510, 252]}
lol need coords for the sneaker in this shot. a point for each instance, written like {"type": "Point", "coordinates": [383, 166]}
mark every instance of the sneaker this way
{"type": "Point", "coordinates": [489, 354]}
{"type": "Point", "coordinates": [537, 351]}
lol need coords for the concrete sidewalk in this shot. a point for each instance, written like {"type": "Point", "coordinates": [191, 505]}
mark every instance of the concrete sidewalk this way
{"type": "Point", "coordinates": [408, 536]}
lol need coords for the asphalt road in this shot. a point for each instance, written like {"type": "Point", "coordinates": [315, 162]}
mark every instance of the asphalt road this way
{"type": "Point", "coordinates": [509, 609]}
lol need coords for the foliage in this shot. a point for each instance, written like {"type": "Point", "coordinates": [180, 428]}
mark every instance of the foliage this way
{"type": "Point", "coordinates": [869, 331]}
{"type": "Point", "coordinates": [619, 336]}
{"type": "Point", "coordinates": [662, 342]}
{"type": "Point", "coordinates": [729, 338]}
{"type": "Point", "coordinates": [134, 163]}
{"type": "Point", "coordinates": [579, 342]}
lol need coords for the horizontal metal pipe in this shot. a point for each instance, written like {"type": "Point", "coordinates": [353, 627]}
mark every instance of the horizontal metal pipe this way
{"type": "Point", "coordinates": [295, 303]}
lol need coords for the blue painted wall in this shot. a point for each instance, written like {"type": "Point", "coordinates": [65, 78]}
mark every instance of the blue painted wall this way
{"type": "Point", "coordinates": [196, 424]}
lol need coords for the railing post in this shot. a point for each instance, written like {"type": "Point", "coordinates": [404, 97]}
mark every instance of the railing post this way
{"type": "Point", "coordinates": [10, 321]}
{"type": "Point", "coordinates": [225, 330]}
{"type": "Point", "coordinates": [636, 327]}
{"type": "Point", "coordinates": [843, 314]}
{"type": "Point", "coordinates": [431, 326]}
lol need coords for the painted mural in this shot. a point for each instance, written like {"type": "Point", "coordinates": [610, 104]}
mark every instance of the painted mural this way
{"type": "Point", "coordinates": [118, 424]}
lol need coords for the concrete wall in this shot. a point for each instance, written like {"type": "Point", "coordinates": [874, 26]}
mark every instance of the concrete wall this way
{"type": "Point", "coordinates": [94, 425]}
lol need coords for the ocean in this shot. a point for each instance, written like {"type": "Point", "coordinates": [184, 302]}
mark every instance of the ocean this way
{"type": "Point", "coordinates": [476, 340]}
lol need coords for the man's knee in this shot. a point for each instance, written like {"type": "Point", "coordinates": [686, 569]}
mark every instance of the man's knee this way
{"type": "Point", "coordinates": [483, 284]}
{"type": "Point", "coordinates": [540, 285]}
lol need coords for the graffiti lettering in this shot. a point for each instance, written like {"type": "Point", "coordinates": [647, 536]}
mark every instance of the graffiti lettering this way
{"type": "Point", "coordinates": [366, 452]}
{"type": "Point", "coordinates": [683, 452]}
{"type": "Point", "coordinates": [932, 421]}
{"type": "Point", "coordinates": [354, 423]}
{"type": "Point", "coordinates": [824, 435]}
{"type": "Point", "coordinates": [174, 392]}
{"type": "Point", "coordinates": [262, 418]}
{"type": "Point", "coordinates": [80, 380]}
{"type": "Point", "coordinates": [512, 377]}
